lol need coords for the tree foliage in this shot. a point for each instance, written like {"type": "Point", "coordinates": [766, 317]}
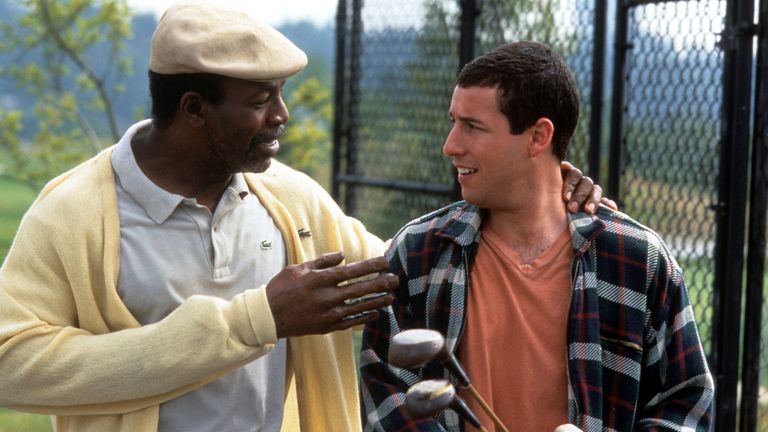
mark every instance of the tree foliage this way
{"type": "Point", "coordinates": [70, 59]}
{"type": "Point", "coordinates": [49, 52]}
{"type": "Point", "coordinates": [306, 144]}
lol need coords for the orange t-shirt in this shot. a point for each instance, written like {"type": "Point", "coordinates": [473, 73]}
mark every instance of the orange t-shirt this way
{"type": "Point", "coordinates": [514, 342]}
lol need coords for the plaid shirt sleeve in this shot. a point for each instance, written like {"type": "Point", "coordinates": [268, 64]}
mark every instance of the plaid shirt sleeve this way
{"type": "Point", "coordinates": [676, 389]}
{"type": "Point", "coordinates": [384, 386]}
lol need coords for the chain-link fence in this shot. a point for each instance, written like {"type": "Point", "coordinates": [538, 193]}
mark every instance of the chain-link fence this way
{"type": "Point", "coordinates": [401, 72]}
{"type": "Point", "coordinates": [670, 92]}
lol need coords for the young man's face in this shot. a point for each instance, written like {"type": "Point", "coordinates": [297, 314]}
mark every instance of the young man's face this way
{"type": "Point", "coordinates": [491, 161]}
{"type": "Point", "coordinates": [244, 127]}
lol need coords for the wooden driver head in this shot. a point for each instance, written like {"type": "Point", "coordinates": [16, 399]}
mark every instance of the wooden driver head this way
{"type": "Point", "coordinates": [413, 348]}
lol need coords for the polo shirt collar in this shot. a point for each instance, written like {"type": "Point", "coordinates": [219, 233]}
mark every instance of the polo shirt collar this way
{"type": "Point", "coordinates": [156, 201]}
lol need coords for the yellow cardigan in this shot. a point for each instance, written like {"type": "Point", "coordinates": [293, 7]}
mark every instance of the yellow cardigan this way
{"type": "Point", "coordinates": [70, 348]}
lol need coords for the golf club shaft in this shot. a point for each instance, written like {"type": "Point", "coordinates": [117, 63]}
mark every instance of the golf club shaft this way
{"type": "Point", "coordinates": [486, 408]}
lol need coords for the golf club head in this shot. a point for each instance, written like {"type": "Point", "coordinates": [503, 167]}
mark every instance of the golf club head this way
{"type": "Point", "coordinates": [427, 398]}
{"type": "Point", "coordinates": [417, 347]}
{"type": "Point", "coordinates": [567, 428]}
{"type": "Point", "coordinates": [414, 348]}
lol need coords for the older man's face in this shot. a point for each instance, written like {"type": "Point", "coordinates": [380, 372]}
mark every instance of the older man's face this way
{"type": "Point", "coordinates": [244, 127]}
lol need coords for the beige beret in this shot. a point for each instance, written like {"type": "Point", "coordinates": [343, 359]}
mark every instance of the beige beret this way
{"type": "Point", "coordinates": [195, 37]}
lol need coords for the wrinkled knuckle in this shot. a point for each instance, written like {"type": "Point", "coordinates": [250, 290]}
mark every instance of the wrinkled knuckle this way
{"type": "Point", "coordinates": [322, 278]}
{"type": "Point", "coordinates": [334, 314]}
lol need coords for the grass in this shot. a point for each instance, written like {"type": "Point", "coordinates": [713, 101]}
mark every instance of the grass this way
{"type": "Point", "coordinates": [14, 202]}
{"type": "Point", "coordinates": [14, 421]}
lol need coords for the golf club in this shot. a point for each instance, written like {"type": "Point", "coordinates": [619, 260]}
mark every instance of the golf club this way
{"type": "Point", "coordinates": [567, 428]}
{"type": "Point", "coordinates": [427, 398]}
{"type": "Point", "coordinates": [417, 347]}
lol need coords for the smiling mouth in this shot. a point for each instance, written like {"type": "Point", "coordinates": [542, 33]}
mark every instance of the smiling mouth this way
{"type": "Point", "coordinates": [464, 171]}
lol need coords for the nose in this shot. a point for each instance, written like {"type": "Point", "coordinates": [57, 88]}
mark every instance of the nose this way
{"type": "Point", "coordinates": [279, 114]}
{"type": "Point", "coordinates": [452, 146]}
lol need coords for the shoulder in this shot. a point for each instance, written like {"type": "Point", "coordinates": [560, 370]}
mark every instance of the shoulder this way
{"type": "Point", "coordinates": [626, 237]}
{"type": "Point", "coordinates": [285, 182]}
{"type": "Point", "coordinates": [458, 221]}
{"type": "Point", "coordinates": [81, 190]}
{"type": "Point", "coordinates": [73, 211]}
{"type": "Point", "coordinates": [432, 221]}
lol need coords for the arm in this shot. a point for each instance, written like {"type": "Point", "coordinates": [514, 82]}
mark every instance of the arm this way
{"type": "Point", "coordinates": [69, 349]}
{"type": "Point", "coordinates": [384, 386]}
{"type": "Point", "coordinates": [74, 348]}
{"type": "Point", "coordinates": [676, 387]}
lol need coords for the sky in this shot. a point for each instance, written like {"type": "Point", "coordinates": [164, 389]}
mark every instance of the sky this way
{"type": "Point", "coordinates": [272, 12]}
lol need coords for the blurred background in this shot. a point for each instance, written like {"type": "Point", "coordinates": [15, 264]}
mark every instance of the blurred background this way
{"type": "Point", "coordinates": [674, 124]}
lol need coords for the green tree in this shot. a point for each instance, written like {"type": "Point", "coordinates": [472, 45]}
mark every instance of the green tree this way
{"type": "Point", "coordinates": [306, 144]}
{"type": "Point", "coordinates": [50, 51]}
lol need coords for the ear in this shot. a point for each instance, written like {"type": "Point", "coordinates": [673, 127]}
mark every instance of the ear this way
{"type": "Point", "coordinates": [191, 108]}
{"type": "Point", "coordinates": [541, 137]}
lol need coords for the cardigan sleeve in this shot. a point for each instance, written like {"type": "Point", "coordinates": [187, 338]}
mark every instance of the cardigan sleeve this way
{"type": "Point", "coordinates": [67, 344]}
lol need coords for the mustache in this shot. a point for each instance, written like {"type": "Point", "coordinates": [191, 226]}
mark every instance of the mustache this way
{"type": "Point", "coordinates": [267, 137]}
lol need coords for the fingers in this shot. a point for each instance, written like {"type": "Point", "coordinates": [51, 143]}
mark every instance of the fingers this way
{"type": "Point", "coordinates": [327, 260]}
{"type": "Point", "coordinates": [566, 166]}
{"type": "Point", "coordinates": [321, 295]}
{"type": "Point", "coordinates": [358, 269]}
{"type": "Point", "coordinates": [357, 303]}
{"type": "Point", "coordinates": [571, 177]}
{"type": "Point", "coordinates": [356, 320]}
{"type": "Point", "coordinates": [592, 197]}
{"type": "Point", "coordinates": [327, 270]}
{"type": "Point", "coordinates": [365, 292]}
{"type": "Point", "coordinates": [580, 191]}
{"type": "Point", "coordinates": [609, 203]}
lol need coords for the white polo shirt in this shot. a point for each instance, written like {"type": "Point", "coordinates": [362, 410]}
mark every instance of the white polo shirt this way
{"type": "Point", "coordinates": [171, 248]}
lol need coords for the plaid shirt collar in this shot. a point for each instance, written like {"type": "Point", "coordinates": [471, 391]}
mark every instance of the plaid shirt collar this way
{"type": "Point", "coordinates": [462, 227]}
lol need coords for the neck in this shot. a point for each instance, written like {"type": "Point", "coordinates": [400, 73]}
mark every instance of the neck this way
{"type": "Point", "coordinates": [533, 228]}
{"type": "Point", "coordinates": [172, 163]}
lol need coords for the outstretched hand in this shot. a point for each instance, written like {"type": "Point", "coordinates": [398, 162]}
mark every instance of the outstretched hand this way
{"type": "Point", "coordinates": [580, 191]}
{"type": "Point", "coordinates": [317, 297]}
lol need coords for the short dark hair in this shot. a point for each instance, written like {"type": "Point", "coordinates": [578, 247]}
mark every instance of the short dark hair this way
{"type": "Point", "coordinates": [532, 82]}
{"type": "Point", "coordinates": [166, 92]}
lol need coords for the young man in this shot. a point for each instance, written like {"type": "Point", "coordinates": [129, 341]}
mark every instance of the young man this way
{"type": "Point", "coordinates": [557, 318]}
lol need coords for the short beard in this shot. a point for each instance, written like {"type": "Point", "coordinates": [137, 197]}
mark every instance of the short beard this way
{"type": "Point", "coordinates": [252, 161]}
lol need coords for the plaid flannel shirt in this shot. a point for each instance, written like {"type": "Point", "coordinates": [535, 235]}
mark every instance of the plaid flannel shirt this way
{"type": "Point", "coordinates": [635, 360]}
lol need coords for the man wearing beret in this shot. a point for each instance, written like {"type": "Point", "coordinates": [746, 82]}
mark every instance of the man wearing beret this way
{"type": "Point", "coordinates": [182, 280]}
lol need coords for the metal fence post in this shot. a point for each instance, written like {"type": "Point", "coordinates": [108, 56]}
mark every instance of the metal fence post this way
{"type": "Point", "coordinates": [617, 101]}
{"type": "Point", "coordinates": [753, 318]}
{"type": "Point", "coordinates": [731, 207]}
{"type": "Point", "coordinates": [355, 72]}
{"type": "Point", "coordinates": [598, 73]}
{"type": "Point", "coordinates": [340, 125]}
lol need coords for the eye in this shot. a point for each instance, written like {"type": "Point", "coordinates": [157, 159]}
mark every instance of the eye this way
{"type": "Point", "coordinates": [261, 102]}
{"type": "Point", "coordinates": [261, 98]}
